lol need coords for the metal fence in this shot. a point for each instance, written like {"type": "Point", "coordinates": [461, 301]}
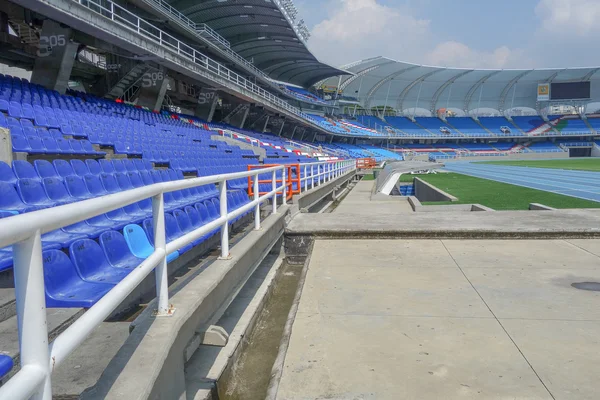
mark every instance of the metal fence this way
{"type": "Point", "coordinates": [127, 19]}
{"type": "Point", "coordinates": [39, 358]}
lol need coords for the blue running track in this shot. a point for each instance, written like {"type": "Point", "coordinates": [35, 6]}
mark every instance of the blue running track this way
{"type": "Point", "coordinates": [581, 184]}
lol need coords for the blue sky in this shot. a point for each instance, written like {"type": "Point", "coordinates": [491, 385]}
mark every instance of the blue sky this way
{"type": "Point", "coordinates": [457, 33]}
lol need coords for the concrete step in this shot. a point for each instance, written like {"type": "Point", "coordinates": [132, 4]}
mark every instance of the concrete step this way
{"type": "Point", "coordinates": [58, 320]}
{"type": "Point", "coordinates": [83, 368]}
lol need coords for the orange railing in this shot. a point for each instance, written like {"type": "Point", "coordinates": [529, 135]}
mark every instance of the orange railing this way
{"type": "Point", "coordinates": [292, 175]}
{"type": "Point", "coordinates": [366, 163]}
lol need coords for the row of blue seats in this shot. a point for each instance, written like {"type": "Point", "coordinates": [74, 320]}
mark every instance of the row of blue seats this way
{"type": "Point", "coordinates": [61, 169]}
{"type": "Point", "coordinates": [35, 145]}
{"type": "Point", "coordinates": [176, 223]}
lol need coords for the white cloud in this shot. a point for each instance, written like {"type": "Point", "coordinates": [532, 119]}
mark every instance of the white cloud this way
{"type": "Point", "coordinates": [456, 54]}
{"type": "Point", "coordinates": [358, 29]}
{"type": "Point", "coordinates": [567, 17]}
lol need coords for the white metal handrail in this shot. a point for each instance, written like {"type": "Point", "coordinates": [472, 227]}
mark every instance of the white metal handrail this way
{"type": "Point", "coordinates": [127, 19]}
{"type": "Point", "coordinates": [39, 358]}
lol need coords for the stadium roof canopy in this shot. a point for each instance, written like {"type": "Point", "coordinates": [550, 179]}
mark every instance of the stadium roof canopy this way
{"type": "Point", "coordinates": [261, 32]}
{"type": "Point", "coordinates": [405, 87]}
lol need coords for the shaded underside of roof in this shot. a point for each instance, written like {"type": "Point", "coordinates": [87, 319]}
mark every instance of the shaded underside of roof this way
{"type": "Point", "coordinates": [381, 81]}
{"type": "Point", "coordinates": [261, 33]}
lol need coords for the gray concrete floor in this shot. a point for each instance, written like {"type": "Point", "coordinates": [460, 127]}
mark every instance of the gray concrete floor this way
{"type": "Point", "coordinates": [446, 319]}
{"type": "Point", "coordinates": [359, 200]}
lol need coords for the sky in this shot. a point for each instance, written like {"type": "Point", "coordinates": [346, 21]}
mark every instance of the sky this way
{"type": "Point", "coordinates": [456, 33]}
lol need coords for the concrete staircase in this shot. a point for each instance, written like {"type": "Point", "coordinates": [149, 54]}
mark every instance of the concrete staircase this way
{"type": "Point", "coordinates": [26, 33]}
{"type": "Point", "coordinates": [127, 81]}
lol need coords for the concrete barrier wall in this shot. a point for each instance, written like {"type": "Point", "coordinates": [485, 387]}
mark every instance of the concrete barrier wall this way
{"type": "Point", "coordinates": [516, 156]}
{"type": "Point", "coordinates": [5, 146]}
{"type": "Point", "coordinates": [151, 362]}
{"type": "Point", "coordinates": [310, 198]}
{"type": "Point", "coordinates": [426, 192]}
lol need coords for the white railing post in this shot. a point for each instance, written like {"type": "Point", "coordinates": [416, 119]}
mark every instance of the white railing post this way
{"type": "Point", "coordinates": [283, 196]}
{"type": "Point", "coordinates": [31, 309]}
{"type": "Point", "coordinates": [257, 209]}
{"type": "Point", "coordinates": [319, 174]}
{"type": "Point", "coordinates": [275, 190]}
{"type": "Point", "coordinates": [225, 227]}
{"type": "Point", "coordinates": [312, 176]}
{"type": "Point", "coordinates": [305, 179]}
{"type": "Point", "coordinates": [160, 242]}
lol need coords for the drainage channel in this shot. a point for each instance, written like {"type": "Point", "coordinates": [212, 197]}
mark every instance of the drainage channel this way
{"type": "Point", "coordinates": [249, 375]}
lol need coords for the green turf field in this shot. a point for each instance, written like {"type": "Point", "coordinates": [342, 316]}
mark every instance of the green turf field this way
{"type": "Point", "coordinates": [497, 195]}
{"type": "Point", "coordinates": [584, 164]}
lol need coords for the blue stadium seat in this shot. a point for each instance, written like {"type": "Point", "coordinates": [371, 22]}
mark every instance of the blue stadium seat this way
{"type": "Point", "coordinates": [24, 170]}
{"type": "Point", "coordinates": [10, 200]}
{"type": "Point", "coordinates": [79, 167]}
{"type": "Point", "coordinates": [6, 174]}
{"type": "Point", "coordinates": [107, 166]}
{"type": "Point", "coordinates": [32, 193]}
{"type": "Point", "coordinates": [185, 225]}
{"type": "Point", "coordinates": [139, 244]}
{"type": "Point", "coordinates": [56, 191]}
{"type": "Point", "coordinates": [6, 364]}
{"type": "Point", "coordinates": [94, 167]}
{"type": "Point", "coordinates": [20, 144]}
{"type": "Point", "coordinates": [118, 166]}
{"type": "Point", "coordinates": [64, 286]}
{"type": "Point", "coordinates": [63, 168]}
{"type": "Point", "coordinates": [92, 265]}
{"type": "Point", "coordinates": [117, 252]}
{"type": "Point", "coordinates": [76, 188]}
{"type": "Point", "coordinates": [45, 169]}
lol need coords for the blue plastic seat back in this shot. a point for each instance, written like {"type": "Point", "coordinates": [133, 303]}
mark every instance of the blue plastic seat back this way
{"type": "Point", "coordinates": [194, 216]}
{"type": "Point", "coordinates": [59, 272]}
{"type": "Point", "coordinates": [212, 210]}
{"type": "Point", "coordinates": [94, 185]}
{"type": "Point", "coordinates": [118, 166]}
{"type": "Point", "coordinates": [6, 364]}
{"type": "Point", "coordinates": [156, 176]}
{"type": "Point", "coordinates": [76, 187]}
{"type": "Point", "coordinates": [63, 168]}
{"type": "Point", "coordinates": [90, 261]}
{"type": "Point", "coordinates": [9, 198]}
{"type": "Point", "coordinates": [172, 228]}
{"type": "Point", "coordinates": [123, 181]}
{"type": "Point", "coordinates": [129, 165]}
{"type": "Point", "coordinates": [183, 221]}
{"type": "Point", "coordinates": [116, 250]}
{"type": "Point", "coordinates": [45, 169]}
{"type": "Point", "coordinates": [56, 190]}
{"type": "Point", "coordinates": [76, 147]}
{"type": "Point", "coordinates": [64, 146]}
{"type": "Point", "coordinates": [51, 146]}
{"type": "Point", "coordinates": [93, 167]}
{"type": "Point", "coordinates": [146, 178]}
{"type": "Point", "coordinates": [20, 144]}
{"type": "Point", "coordinates": [149, 229]}
{"type": "Point", "coordinates": [136, 180]}
{"type": "Point", "coordinates": [110, 183]}
{"type": "Point", "coordinates": [203, 213]}
{"type": "Point", "coordinates": [217, 205]}
{"type": "Point", "coordinates": [79, 167]}
{"type": "Point", "coordinates": [137, 240]}
{"type": "Point", "coordinates": [107, 166]}
{"type": "Point", "coordinates": [32, 192]}
{"type": "Point", "coordinates": [6, 174]}
{"type": "Point", "coordinates": [139, 164]}
{"type": "Point", "coordinates": [24, 170]}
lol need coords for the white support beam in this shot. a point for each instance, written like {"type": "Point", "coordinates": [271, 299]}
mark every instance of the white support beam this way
{"type": "Point", "coordinates": [443, 87]}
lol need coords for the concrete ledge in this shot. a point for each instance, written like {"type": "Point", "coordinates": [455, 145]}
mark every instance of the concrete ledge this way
{"type": "Point", "coordinates": [310, 198]}
{"type": "Point", "coordinates": [538, 206]}
{"type": "Point", "coordinates": [479, 207]}
{"type": "Point", "coordinates": [151, 362]}
{"type": "Point", "coordinates": [427, 192]}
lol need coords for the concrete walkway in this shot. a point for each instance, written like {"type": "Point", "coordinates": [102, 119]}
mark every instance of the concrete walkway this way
{"type": "Point", "coordinates": [360, 201]}
{"type": "Point", "coordinates": [446, 319]}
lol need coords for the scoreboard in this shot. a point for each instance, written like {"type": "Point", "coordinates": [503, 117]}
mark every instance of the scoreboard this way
{"type": "Point", "coordinates": [564, 91]}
